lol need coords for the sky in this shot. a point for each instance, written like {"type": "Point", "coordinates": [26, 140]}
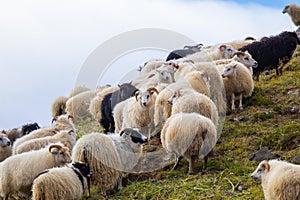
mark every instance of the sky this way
{"type": "Point", "coordinates": [44, 45]}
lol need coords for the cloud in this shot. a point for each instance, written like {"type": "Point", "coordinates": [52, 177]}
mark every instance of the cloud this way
{"type": "Point", "coordinates": [44, 43]}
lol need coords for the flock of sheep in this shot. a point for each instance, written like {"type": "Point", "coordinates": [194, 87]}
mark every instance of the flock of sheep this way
{"type": "Point", "coordinates": [181, 100]}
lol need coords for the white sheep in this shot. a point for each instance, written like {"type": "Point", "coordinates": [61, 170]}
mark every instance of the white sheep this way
{"type": "Point", "coordinates": [210, 54]}
{"type": "Point", "coordinates": [59, 106]}
{"type": "Point", "coordinates": [150, 66]}
{"type": "Point", "coordinates": [63, 122]}
{"type": "Point", "coordinates": [18, 172]}
{"type": "Point", "coordinates": [279, 179]}
{"type": "Point", "coordinates": [68, 182]}
{"type": "Point", "coordinates": [5, 147]}
{"type": "Point", "coordinates": [189, 101]}
{"type": "Point", "coordinates": [294, 11]}
{"type": "Point", "coordinates": [237, 81]}
{"type": "Point", "coordinates": [189, 135]}
{"type": "Point", "coordinates": [109, 155]}
{"type": "Point", "coordinates": [78, 90]}
{"type": "Point", "coordinates": [241, 43]}
{"type": "Point", "coordinates": [65, 137]}
{"type": "Point", "coordinates": [138, 111]}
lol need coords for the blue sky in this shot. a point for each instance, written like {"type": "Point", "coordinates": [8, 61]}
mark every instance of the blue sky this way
{"type": "Point", "coordinates": [45, 43]}
{"type": "Point", "coordinates": [272, 3]}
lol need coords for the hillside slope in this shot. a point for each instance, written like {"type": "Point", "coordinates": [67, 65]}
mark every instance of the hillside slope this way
{"type": "Point", "coordinates": [271, 118]}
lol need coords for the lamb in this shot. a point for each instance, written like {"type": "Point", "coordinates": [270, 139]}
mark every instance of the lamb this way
{"type": "Point", "coordinates": [65, 137]}
{"type": "Point", "coordinates": [59, 106]}
{"type": "Point", "coordinates": [109, 155]}
{"type": "Point", "coordinates": [68, 182]}
{"type": "Point", "coordinates": [16, 133]}
{"type": "Point", "coordinates": [273, 53]}
{"type": "Point", "coordinates": [294, 11]}
{"type": "Point", "coordinates": [210, 54]}
{"type": "Point", "coordinates": [18, 172]}
{"type": "Point", "coordinates": [187, 50]}
{"type": "Point", "coordinates": [189, 101]}
{"type": "Point", "coordinates": [63, 122]}
{"type": "Point", "coordinates": [279, 179]}
{"type": "Point", "coordinates": [189, 135]}
{"type": "Point", "coordinates": [138, 111]}
{"type": "Point", "coordinates": [5, 147]}
{"type": "Point", "coordinates": [237, 81]}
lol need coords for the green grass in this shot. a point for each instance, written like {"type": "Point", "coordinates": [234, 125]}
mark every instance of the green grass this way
{"type": "Point", "coordinates": [267, 120]}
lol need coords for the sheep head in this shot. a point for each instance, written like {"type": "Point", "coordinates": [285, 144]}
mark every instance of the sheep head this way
{"type": "Point", "coordinates": [4, 140]}
{"type": "Point", "coordinates": [263, 168]}
{"type": "Point", "coordinates": [230, 70]}
{"type": "Point", "coordinates": [286, 9]}
{"type": "Point", "coordinates": [62, 154]}
{"type": "Point", "coordinates": [175, 95]}
{"type": "Point", "coordinates": [227, 51]}
{"type": "Point", "coordinates": [134, 138]}
{"type": "Point", "coordinates": [245, 58]}
{"type": "Point", "coordinates": [147, 98]}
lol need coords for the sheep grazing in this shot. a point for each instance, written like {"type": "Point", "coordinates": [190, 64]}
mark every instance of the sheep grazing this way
{"type": "Point", "coordinates": [273, 53]}
{"type": "Point", "coordinates": [294, 11]}
{"type": "Point", "coordinates": [109, 155]}
{"type": "Point", "coordinates": [16, 133]}
{"type": "Point", "coordinates": [125, 91]}
{"type": "Point", "coordinates": [137, 111]}
{"type": "Point", "coordinates": [67, 138]}
{"type": "Point", "coordinates": [59, 106]}
{"type": "Point", "coordinates": [63, 122]}
{"type": "Point", "coordinates": [5, 147]}
{"type": "Point", "coordinates": [18, 172]}
{"type": "Point", "coordinates": [189, 101]}
{"type": "Point", "coordinates": [237, 81]}
{"type": "Point", "coordinates": [213, 53]}
{"type": "Point", "coordinates": [68, 182]}
{"type": "Point", "coordinates": [187, 50]}
{"type": "Point", "coordinates": [279, 179]}
{"type": "Point", "coordinates": [189, 135]}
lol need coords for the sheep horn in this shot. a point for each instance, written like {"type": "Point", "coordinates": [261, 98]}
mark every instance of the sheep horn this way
{"type": "Point", "coordinates": [266, 165]}
{"type": "Point", "coordinates": [238, 53]}
{"type": "Point", "coordinates": [222, 46]}
{"type": "Point", "coordinates": [187, 61]}
{"type": "Point", "coordinates": [136, 95]}
{"type": "Point", "coordinates": [54, 119]}
{"type": "Point", "coordinates": [152, 89]}
{"type": "Point", "coordinates": [58, 147]}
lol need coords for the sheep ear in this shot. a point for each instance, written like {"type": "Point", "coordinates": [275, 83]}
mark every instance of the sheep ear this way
{"type": "Point", "coordinates": [54, 119]}
{"type": "Point", "coordinates": [238, 54]}
{"type": "Point", "coordinates": [70, 131]}
{"type": "Point", "coordinates": [130, 83]}
{"type": "Point", "coordinates": [136, 94]}
{"type": "Point", "coordinates": [122, 132]}
{"type": "Point", "coordinates": [222, 47]}
{"type": "Point", "coordinates": [119, 85]}
{"type": "Point", "coordinates": [265, 165]}
{"type": "Point", "coordinates": [54, 148]}
{"type": "Point", "coordinates": [3, 131]}
{"type": "Point", "coordinates": [152, 90]}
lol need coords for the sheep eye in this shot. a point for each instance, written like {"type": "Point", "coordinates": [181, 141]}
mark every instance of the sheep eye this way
{"type": "Point", "coordinates": [61, 153]}
{"type": "Point", "coordinates": [246, 58]}
{"type": "Point", "coordinates": [147, 96]}
{"type": "Point", "coordinates": [230, 50]}
{"type": "Point", "coordinates": [259, 170]}
{"type": "Point", "coordinates": [0, 139]}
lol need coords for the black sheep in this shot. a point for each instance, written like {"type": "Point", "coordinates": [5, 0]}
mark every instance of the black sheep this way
{"type": "Point", "coordinates": [187, 50]}
{"type": "Point", "coordinates": [273, 52]}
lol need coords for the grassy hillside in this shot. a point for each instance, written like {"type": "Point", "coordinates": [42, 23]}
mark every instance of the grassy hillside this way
{"type": "Point", "coordinates": [271, 118]}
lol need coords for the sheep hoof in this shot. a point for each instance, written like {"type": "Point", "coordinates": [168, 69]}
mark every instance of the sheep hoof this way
{"type": "Point", "coordinates": [241, 108]}
{"type": "Point", "coordinates": [192, 173]}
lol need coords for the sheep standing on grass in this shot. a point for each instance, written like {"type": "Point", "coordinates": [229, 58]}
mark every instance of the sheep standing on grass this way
{"type": "Point", "coordinates": [109, 155]}
{"type": "Point", "coordinates": [189, 135]}
{"type": "Point", "coordinates": [68, 182]}
{"type": "Point", "coordinates": [63, 122]}
{"type": "Point", "coordinates": [237, 81]}
{"type": "Point", "coordinates": [18, 172]}
{"type": "Point", "coordinates": [5, 147]}
{"type": "Point", "coordinates": [294, 11]}
{"type": "Point", "coordinates": [279, 179]}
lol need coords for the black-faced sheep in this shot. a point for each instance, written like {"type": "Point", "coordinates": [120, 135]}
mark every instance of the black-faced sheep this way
{"type": "Point", "coordinates": [109, 155]}
{"type": "Point", "coordinates": [5, 147]}
{"type": "Point", "coordinates": [189, 135]}
{"type": "Point", "coordinates": [18, 172]}
{"type": "Point", "coordinates": [273, 53]}
{"type": "Point", "coordinates": [65, 137]}
{"type": "Point", "coordinates": [187, 50]}
{"type": "Point", "coordinates": [63, 122]}
{"type": "Point", "coordinates": [68, 182]}
{"type": "Point", "coordinates": [137, 112]}
{"type": "Point", "coordinates": [280, 180]}
{"type": "Point", "coordinates": [237, 82]}
{"type": "Point", "coordinates": [294, 11]}
{"type": "Point", "coordinates": [16, 133]}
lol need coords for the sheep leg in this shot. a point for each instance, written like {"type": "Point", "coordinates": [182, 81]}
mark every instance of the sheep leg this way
{"type": "Point", "coordinates": [241, 105]}
{"type": "Point", "coordinates": [120, 182]}
{"type": "Point", "coordinates": [232, 102]}
{"type": "Point", "coordinates": [205, 163]}
{"type": "Point", "coordinates": [178, 159]}
{"type": "Point", "coordinates": [192, 165]}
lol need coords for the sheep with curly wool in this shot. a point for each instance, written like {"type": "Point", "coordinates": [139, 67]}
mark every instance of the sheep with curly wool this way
{"type": "Point", "coordinates": [237, 82]}
{"type": "Point", "coordinates": [189, 101]}
{"type": "Point", "coordinates": [65, 137]}
{"type": "Point", "coordinates": [109, 155]}
{"type": "Point", "coordinates": [68, 182]}
{"type": "Point", "coordinates": [189, 135]}
{"type": "Point", "coordinates": [63, 122]}
{"type": "Point", "coordinates": [280, 180]}
{"type": "Point", "coordinates": [18, 172]}
{"type": "Point", "coordinates": [294, 12]}
{"type": "Point", "coordinates": [5, 147]}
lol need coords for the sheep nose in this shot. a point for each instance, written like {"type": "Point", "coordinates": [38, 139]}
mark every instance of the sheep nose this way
{"type": "Point", "coordinates": [170, 102]}
{"type": "Point", "coordinates": [223, 76]}
{"type": "Point", "coordinates": [8, 143]}
{"type": "Point", "coordinates": [255, 64]}
{"type": "Point", "coordinates": [144, 103]}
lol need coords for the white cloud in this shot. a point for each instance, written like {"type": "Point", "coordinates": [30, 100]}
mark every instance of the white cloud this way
{"type": "Point", "coordinates": [44, 43]}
